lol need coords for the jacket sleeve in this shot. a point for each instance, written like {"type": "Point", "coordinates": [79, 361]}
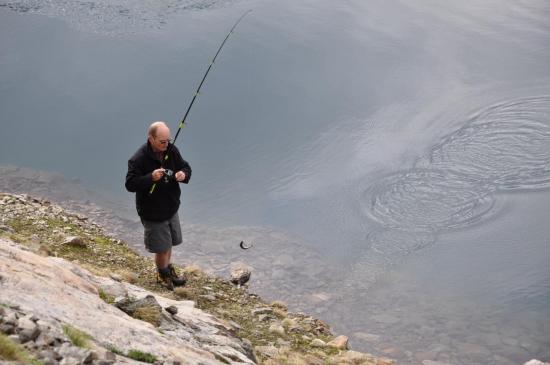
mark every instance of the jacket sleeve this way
{"type": "Point", "coordinates": [182, 165]}
{"type": "Point", "coordinates": [136, 179]}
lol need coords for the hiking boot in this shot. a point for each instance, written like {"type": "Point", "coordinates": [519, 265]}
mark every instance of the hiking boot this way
{"type": "Point", "coordinates": [164, 278]}
{"type": "Point", "coordinates": [176, 280]}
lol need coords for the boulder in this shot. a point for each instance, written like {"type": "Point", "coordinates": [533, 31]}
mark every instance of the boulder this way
{"type": "Point", "coordinates": [240, 274]}
{"type": "Point", "coordinates": [340, 343]}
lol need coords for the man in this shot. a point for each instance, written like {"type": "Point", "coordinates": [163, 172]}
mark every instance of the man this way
{"type": "Point", "coordinates": [158, 208]}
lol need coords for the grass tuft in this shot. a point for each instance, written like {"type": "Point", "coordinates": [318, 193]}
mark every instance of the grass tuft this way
{"type": "Point", "coordinates": [141, 356]}
{"type": "Point", "coordinates": [107, 298]}
{"type": "Point", "coordinates": [11, 351]}
{"type": "Point", "coordinates": [148, 314]}
{"type": "Point", "coordinates": [78, 338]}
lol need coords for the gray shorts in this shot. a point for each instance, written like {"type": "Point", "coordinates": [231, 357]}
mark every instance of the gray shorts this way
{"type": "Point", "coordinates": [159, 237]}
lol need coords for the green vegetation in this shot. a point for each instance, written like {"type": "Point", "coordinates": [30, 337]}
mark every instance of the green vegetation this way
{"type": "Point", "coordinates": [141, 356]}
{"type": "Point", "coordinates": [43, 225]}
{"type": "Point", "coordinates": [133, 354]}
{"type": "Point", "coordinates": [109, 299]}
{"type": "Point", "coordinates": [148, 314]}
{"type": "Point", "coordinates": [78, 338]}
{"type": "Point", "coordinates": [115, 350]}
{"type": "Point", "coordinates": [11, 351]}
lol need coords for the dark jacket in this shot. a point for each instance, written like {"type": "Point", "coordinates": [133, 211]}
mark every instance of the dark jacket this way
{"type": "Point", "coordinates": [164, 202]}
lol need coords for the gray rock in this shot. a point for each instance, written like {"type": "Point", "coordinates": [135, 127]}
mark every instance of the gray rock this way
{"type": "Point", "coordinates": [240, 274]}
{"type": "Point", "coordinates": [110, 356]}
{"type": "Point", "coordinates": [48, 356]}
{"type": "Point", "coordinates": [129, 305]}
{"type": "Point", "coordinates": [248, 349]}
{"type": "Point", "coordinates": [11, 318]}
{"type": "Point", "coordinates": [318, 343]}
{"type": "Point", "coordinates": [70, 353]}
{"type": "Point", "coordinates": [27, 330]}
{"type": "Point", "coordinates": [264, 310]}
{"type": "Point", "coordinates": [265, 317]}
{"type": "Point", "coordinates": [277, 329]}
{"type": "Point", "coordinates": [172, 309]}
{"type": "Point", "coordinates": [269, 351]}
{"type": "Point", "coordinates": [45, 339]}
{"type": "Point", "coordinates": [14, 338]}
{"type": "Point", "coordinates": [74, 241]}
{"type": "Point", "coordinates": [7, 329]}
{"type": "Point", "coordinates": [340, 343]}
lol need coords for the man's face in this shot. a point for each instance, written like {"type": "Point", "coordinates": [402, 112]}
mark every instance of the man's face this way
{"type": "Point", "coordinates": [161, 140]}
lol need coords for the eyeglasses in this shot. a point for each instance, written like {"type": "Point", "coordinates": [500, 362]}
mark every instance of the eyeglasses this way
{"type": "Point", "coordinates": [164, 141]}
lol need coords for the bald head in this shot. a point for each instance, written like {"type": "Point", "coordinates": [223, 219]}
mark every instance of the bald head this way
{"type": "Point", "coordinates": [157, 128]}
{"type": "Point", "coordinates": [158, 135]}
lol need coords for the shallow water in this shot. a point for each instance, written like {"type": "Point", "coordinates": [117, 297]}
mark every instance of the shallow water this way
{"type": "Point", "coordinates": [390, 160]}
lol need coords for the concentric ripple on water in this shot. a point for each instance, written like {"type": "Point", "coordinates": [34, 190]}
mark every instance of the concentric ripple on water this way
{"type": "Point", "coordinates": [507, 145]}
{"type": "Point", "coordinates": [429, 200]}
{"type": "Point", "coordinates": [504, 147]}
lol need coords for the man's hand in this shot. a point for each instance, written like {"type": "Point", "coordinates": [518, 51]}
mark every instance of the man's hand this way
{"type": "Point", "coordinates": [180, 176]}
{"type": "Point", "coordinates": [157, 174]}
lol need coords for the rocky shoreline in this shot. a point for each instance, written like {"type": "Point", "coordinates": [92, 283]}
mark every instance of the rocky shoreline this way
{"type": "Point", "coordinates": [46, 228]}
{"type": "Point", "coordinates": [61, 274]}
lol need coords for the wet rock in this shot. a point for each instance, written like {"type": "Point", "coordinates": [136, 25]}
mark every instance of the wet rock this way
{"type": "Point", "coordinates": [431, 362]}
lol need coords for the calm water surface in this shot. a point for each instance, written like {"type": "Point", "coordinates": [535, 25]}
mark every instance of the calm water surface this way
{"type": "Point", "coordinates": [393, 156]}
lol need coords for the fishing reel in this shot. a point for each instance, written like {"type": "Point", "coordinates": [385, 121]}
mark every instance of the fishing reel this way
{"type": "Point", "coordinates": [168, 176]}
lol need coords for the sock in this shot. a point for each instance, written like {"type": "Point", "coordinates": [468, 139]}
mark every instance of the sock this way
{"type": "Point", "coordinates": [165, 271]}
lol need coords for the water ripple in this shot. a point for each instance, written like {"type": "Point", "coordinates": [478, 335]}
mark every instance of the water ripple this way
{"type": "Point", "coordinates": [429, 200]}
{"type": "Point", "coordinates": [507, 144]}
{"type": "Point", "coordinates": [118, 17]}
{"type": "Point", "coordinates": [504, 147]}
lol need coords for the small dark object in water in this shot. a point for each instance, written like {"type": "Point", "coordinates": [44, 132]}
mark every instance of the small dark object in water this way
{"type": "Point", "coordinates": [244, 246]}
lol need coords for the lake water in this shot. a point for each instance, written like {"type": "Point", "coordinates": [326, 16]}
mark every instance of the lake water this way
{"type": "Point", "coordinates": [390, 160]}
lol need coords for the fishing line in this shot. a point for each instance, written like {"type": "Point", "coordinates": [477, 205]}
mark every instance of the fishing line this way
{"type": "Point", "coordinates": [182, 123]}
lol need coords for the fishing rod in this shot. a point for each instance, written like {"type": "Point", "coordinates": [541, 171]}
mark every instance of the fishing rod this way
{"type": "Point", "coordinates": [182, 123]}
